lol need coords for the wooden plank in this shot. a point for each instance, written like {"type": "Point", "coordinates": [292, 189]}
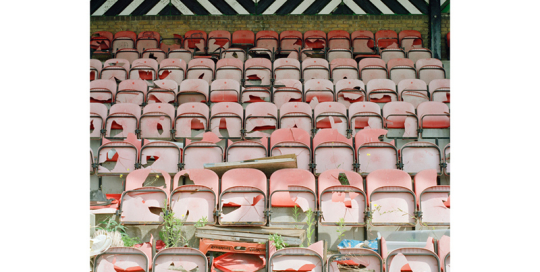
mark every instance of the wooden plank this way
{"type": "Point", "coordinates": [291, 236]}
{"type": "Point", "coordinates": [243, 234]}
{"type": "Point", "coordinates": [267, 165]}
{"type": "Point", "coordinates": [221, 237]}
{"type": "Point", "coordinates": [261, 230]}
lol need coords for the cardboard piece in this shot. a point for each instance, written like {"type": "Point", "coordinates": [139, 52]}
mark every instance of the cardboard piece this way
{"type": "Point", "coordinates": [267, 165]}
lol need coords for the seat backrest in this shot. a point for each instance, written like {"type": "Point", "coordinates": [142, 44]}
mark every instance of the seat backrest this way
{"type": "Point", "coordinates": [261, 109]}
{"type": "Point", "coordinates": [201, 62]}
{"type": "Point", "coordinates": [349, 84]}
{"type": "Point", "coordinates": [386, 38]}
{"type": "Point", "coordinates": [343, 62]}
{"type": "Point", "coordinates": [283, 179]}
{"type": "Point", "coordinates": [330, 107]}
{"type": "Point", "coordinates": [399, 62]}
{"type": "Point", "coordinates": [413, 39]}
{"type": "Point", "coordinates": [244, 177]}
{"type": "Point", "coordinates": [228, 62]}
{"type": "Point", "coordinates": [433, 107]}
{"type": "Point", "coordinates": [194, 85]}
{"type": "Point", "coordinates": [245, 37]}
{"type": "Point", "coordinates": [387, 177]}
{"type": "Point", "coordinates": [379, 83]}
{"type": "Point", "coordinates": [364, 63]}
{"type": "Point", "coordinates": [258, 62]}
{"type": "Point", "coordinates": [319, 85]}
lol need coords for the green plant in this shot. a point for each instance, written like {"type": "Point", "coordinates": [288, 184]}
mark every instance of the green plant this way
{"type": "Point", "coordinates": [171, 231]}
{"type": "Point", "coordinates": [296, 214]}
{"type": "Point", "coordinates": [110, 225]}
{"type": "Point", "coordinates": [341, 228]}
{"type": "Point", "coordinates": [310, 225]}
{"type": "Point", "coordinates": [277, 240]}
{"type": "Point", "coordinates": [201, 222]}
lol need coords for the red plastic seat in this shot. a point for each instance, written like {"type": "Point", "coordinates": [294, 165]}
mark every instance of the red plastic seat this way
{"type": "Point", "coordinates": [343, 69]}
{"type": "Point", "coordinates": [95, 69]}
{"type": "Point", "coordinates": [260, 117]}
{"type": "Point", "coordinates": [400, 69]}
{"type": "Point", "coordinates": [431, 199]}
{"type": "Point", "coordinates": [372, 154]}
{"type": "Point", "coordinates": [103, 91]}
{"type": "Point", "coordinates": [356, 256]}
{"type": "Point", "coordinates": [401, 115]}
{"type": "Point", "coordinates": [230, 69]}
{"type": "Point", "coordinates": [317, 91]}
{"type": "Point", "coordinates": [418, 156]}
{"type": "Point", "coordinates": [179, 53]}
{"type": "Point", "coordinates": [446, 158]}
{"type": "Point", "coordinates": [364, 115]}
{"type": "Point", "coordinates": [122, 120]}
{"type": "Point", "coordinates": [267, 39]}
{"type": "Point", "coordinates": [388, 44]}
{"type": "Point", "coordinates": [339, 39]}
{"type": "Point", "coordinates": [130, 54]}
{"type": "Point", "coordinates": [296, 115]}
{"type": "Point", "coordinates": [224, 90]}
{"type": "Point", "coordinates": [100, 42]}
{"type": "Point", "coordinates": [161, 156]}
{"type": "Point", "coordinates": [148, 39]}
{"type": "Point", "coordinates": [162, 91]}
{"type": "Point", "coordinates": [332, 150]}
{"type": "Point", "coordinates": [195, 41]}
{"type": "Point", "coordinates": [331, 115]}
{"type": "Point", "coordinates": [98, 114]}
{"type": "Point", "coordinates": [116, 69]}
{"type": "Point", "coordinates": [132, 91]}
{"type": "Point", "coordinates": [257, 72]}
{"type": "Point", "coordinates": [116, 158]}
{"type": "Point", "coordinates": [227, 118]}
{"type": "Point", "coordinates": [290, 40]}
{"type": "Point", "coordinates": [439, 90]}
{"type": "Point", "coordinates": [287, 68]}
{"type": "Point", "coordinates": [372, 68]}
{"type": "Point", "coordinates": [381, 91]}
{"type": "Point", "coordinates": [201, 69]}
{"type": "Point", "coordinates": [234, 53]}
{"type": "Point", "coordinates": [363, 43]}
{"type": "Point", "coordinates": [156, 122]}
{"type": "Point", "coordinates": [218, 40]}
{"type": "Point", "coordinates": [154, 53]}
{"type": "Point", "coordinates": [414, 91]}
{"type": "Point", "coordinates": [430, 69]}
{"type": "Point", "coordinates": [296, 141]}
{"type": "Point", "coordinates": [193, 90]}
{"type": "Point", "coordinates": [206, 150]}
{"type": "Point", "coordinates": [411, 42]}
{"type": "Point", "coordinates": [434, 115]}
{"type": "Point", "coordinates": [315, 69]}
{"type": "Point", "coordinates": [123, 39]}
{"type": "Point", "coordinates": [287, 90]}
{"type": "Point", "coordinates": [243, 39]}
{"type": "Point", "coordinates": [290, 188]}
{"type": "Point", "coordinates": [128, 257]}
{"type": "Point", "coordinates": [417, 258]}
{"type": "Point", "coordinates": [145, 69]}
{"type": "Point", "coordinates": [315, 39]}
{"type": "Point", "coordinates": [349, 91]}
{"type": "Point", "coordinates": [247, 149]}
{"type": "Point", "coordinates": [191, 120]}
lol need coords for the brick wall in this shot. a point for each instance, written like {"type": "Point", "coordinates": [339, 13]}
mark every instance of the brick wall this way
{"type": "Point", "coordinates": [445, 28]}
{"type": "Point", "coordinates": [169, 25]}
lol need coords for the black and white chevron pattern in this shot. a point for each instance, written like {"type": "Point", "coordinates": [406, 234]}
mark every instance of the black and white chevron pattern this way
{"type": "Point", "coordinates": [257, 7]}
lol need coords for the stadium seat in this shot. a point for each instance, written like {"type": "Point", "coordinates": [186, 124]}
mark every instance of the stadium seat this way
{"type": "Point", "coordinates": [314, 44]}
{"type": "Point", "coordinates": [296, 141]}
{"type": "Point", "coordinates": [267, 39]}
{"type": "Point", "coordinates": [363, 43]}
{"type": "Point", "coordinates": [145, 69]}
{"type": "Point", "coordinates": [430, 69]}
{"type": "Point", "coordinates": [174, 69]}
{"type": "Point", "coordinates": [117, 69]}
{"type": "Point", "coordinates": [364, 115]}
{"type": "Point", "coordinates": [296, 115]}
{"type": "Point", "coordinates": [418, 156]}
{"type": "Point", "coordinates": [343, 69]}
{"type": "Point", "coordinates": [123, 39]}
{"type": "Point", "coordinates": [123, 258]}
{"type": "Point", "coordinates": [201, 69]}
{"type": "Point", "coordinates": [443, 251]}
{"type": "Point", "coordinates": [287, 90]}
{"type": "Point", "coordinates": [123, 119]}
{"type": "Point", "coordinates": [286, 68]}
{"type": "Point", "coordinates": [162, 91]}
{"type": "Point", "coordinates": [340, 53]}
{"type": "Point", "coordinates": [289, 41]}
{"type": "Point", "coordinates": [317, 91]}
{"type": "Point", "coordinates": [359, 257]}
{"type": "Point", "coordinates": [439, 90]}
{"type": "Point", "coordinates": [298, 259]}
{"type": "Point", "coordinates": [218, 40]}
{"type": "Point", "coordinates": [230, 69]}
{"type": "Point", "coordinates": [154, 53]}
{"type": "Point", "coordinates": [103, 91]}
{"type": "Point", "coordinates": [234, 53]}
{"type": "Point", "coordinates": [148, 39]}
{"type": "Point", "coordinates": [195, 42]}
{"type": "Point", "coordinates": [391, 198]}
{"type": "Point", "coordinates": [243, 193]}
{"type": "Point", "coordinates": [372, 154]}
{"type": "Point", "coordinates": [260, 117]}
{"type": "Point", "coordinates": [224, 90]}
{"type": "Point", "coordinates": [255, 94]}
{"type": "Point", "coordinates": [381, 91]}
{"type": "Point", "coordinates": [434, 119]}
{"type": "Point", "coordinates": [414, 91]}
{"type": "Point", "coordinates": [130, 54]}
{"type": "Point", "coordinates": [191, 120]}
{"type": "Point", "coordinates": [100, 42]}
{"type": "Point", "coordinates": [331, 115]}
{"type": "Point", "coordinates": [341, 196]}
{"type": "Point", "coordinates": [156, 122]}
{"type": "Point", "coordinates": [433, 200]}
{"type": "Point", "coordinates": [132, 91]}
{"type": "Point", "coordinates": [339, 39]}
{"type": "Point", "coordinates": [257, 72]}
{"type": "Point", "coordinates": [244, 39]}
{"type": "Point", "coordinates": [411, 42]}
{"type": "Point", "coordinates": [447, 159]}
{"type": "Point", "coordinates": [247, 149]}
{"type": "Point", "coordinates": [291, 188]}
{"type": "Point", "coordinates": [332, 150]}
{"type": "Point", "coordinates": [179, 258]}
{"type": "Point", "coordinates": [142, 204]}
{"type": "Point", "coordinates": [193, 90]}
{"type": "Point", "coordinates": [206, 150]}
{"type": "Point", "coordinates": [95, 69]}
{"type": "Point", "coordinates": [180, 53]}
{"type": "Point", "coordinates": [98, 114]}
{"type": "Point", "coordinates": [388, 44]}
{"type": "Point", "coordinates": [315, 68]}
{"type": "Point", "coordinates": [400, 69]}
{"type": "Point", "coordinates": [118, 158]}
{"type": "Point", "coordinates": [170, 44]}
{"type": "Point", "coordinates": [194, 194]}
{"type": "Point", "coordinates": [349, 91]}
{"type": "Point", "coordinates": [372, 68]}
{"type": "Point", "coordinates": [401, 120]}
{"type": "Point", "coordinates": [226, 119]}
{"type": "Point", "coordinates": [412, 259]}
{"type": "Point", "coordinates": [161, 156]}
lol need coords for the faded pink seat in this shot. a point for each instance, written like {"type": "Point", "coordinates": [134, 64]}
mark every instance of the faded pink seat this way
{"type": "Point", "coordinates": [234, 53]}
{"type": "Point", "coordinates": [363, 42]}
{"type": "Point", "coordinates": [433, 115]}
{"type": "Point", "coordinates": [267, 39]}
{"type": "Point", "coordinates": [349, 91]}
{"type": "Point", "coordinates": [227, 117]}
{"type": "Point", "coordinates": [331, 115]}
{"type": "Point", "coordinates": [286, 68]}
{"type": "Point", "coordinates": [218, 40]}
{"type": "Point", "coordinates": [340, 53]}
{"type": "Point", "coordinates": [116, 69]}
{"type": "Point", "coordinates": [194, 194]}
{"type": "Point", "coordinates": [296, 115]}
{"type": "Point", "coordinates": [224, 90]}
{"type": "Point", "coordinates": [339, 39]}
{"type": "Point", "coordinates": [191, 120]}
{"type": "Point", "coordinates": [95, 69]}
{"type": "Point", "coordinates": [98, 114]}
{"type": "Point", "coordinates": [201, 69]}
{"type": "Point", "coordinates": [332, 150]}
{"type": "Point", "coordinates": [148, 39]}
{"type": "Point", "coordinates": [130, 54]}
{"type": "Point", "coordinates": [372, 68]}
{"type": "Point", "coordinates": [401, 115]}
{"type": "Point", "coordinates": [198, 153]}
{"type": "Point", "coordinates": [230, 69]}
{"type": "Point", "coordinates": [248, 149]}
{"type": "Point", "coordinates": [291, 188]}
{"type": "Point", "coordinates": [297, 259]}
{"type": "Point", "coordinates": [317, 91]}
{"type": "Point", "coordinates": [193, 90]}
{"type": "Point", "coordinates": [400, 69]}
{"type": "Point", "coordinates": [122, 258]}
{"type": "Point", "coordinates": [439, 90]}
{"type": "Point", "coordinates": [243, 39]}
{"type": "Point", "coordinates": [180, 53]}
{"type": "Point", "coordinates": [314, 44]}
{"type": "Point", "coordinates": [417, 259]}
{"type": "Point", "coordinates": [173, 69]}
{"type": "Point", "coordinates": [296, 141]}
{"type": "Point", "coordinates": [132, 91]}
{"type": "Point", "coordinates": [123, 39]}
{"type": "Point", "coordinates": [244, 189]}
{"type": "Point", "coordinates": [414, 91]}
{"type": "Point", "coordinates": [161, 156]}
{"type": "Point", "coordinates": [154, 53]}
{"type": "Point", "coordinates": [287, 90]}
{"type": "Point", "coordinates": [124, 118]}
{"type": "Point", "coordinates": [433, 200]}
{"type": "Point", "coordinates": [343, 69]}
{"type": "Point", "coordinates": [360, 256]}
{"type": "Point", "coordinates": [115, 158]}
{"type": "Point", "coordinates": [162, 91]}
{"type": "Point", "coordinates": [418, 156]}
{"type": "Point", "coordinates": [195, 40]}
{"type": "Point", "coordinates": [156, 122]}
{"type": "Point", "coordinates": [261, 117]}
{"type": "Point", "coordinates": [388, 44]}
{"type": "Point", "coordinates": [338, 200]}
{"type": "Point", "coordinates": [364, 115]}
{"type": "Point", "coordinates": [315, 68]}
{"type": "Point", "coordinates": [179, 258]}
{"type": "Point", "coordinates": [103, 91]}
{"type": "Point", "coordinates": [372, 154]}
{"type": "Point", "coordinates": [257, 72]}
{"type": "Point", "coordinates": [443, 251]}
{"type": "Point", "coordinates": [392, 200]}
{"type": "Point", "coordinates": [430, 69]}
{"type": "Point", "coordinates": [446, 158]}
{"type": "Point", "coordinates": [382, 91]}
{"type": "Point", "coordinates": [411, 42]}
{"type": "Point", "coordinates": [142, 204]}
{"type": "Point", "coordinates": [290, 40]}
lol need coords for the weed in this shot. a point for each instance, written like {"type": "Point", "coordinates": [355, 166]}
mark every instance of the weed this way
{"type": "Point", "coordinates": [171, 231]}
{"type": "Point", "coordinates": [201, 222]}
{"type": "Point", "coordinates": [110, 225]}
{"type": "Point", "coordinates": [341, 228]}
{"type": "Point", "coordinates": [277, 240]}
{"type": "Point", "coordinates": [310, 225]}
{"type": "Point", "coordinates": [296, 213]}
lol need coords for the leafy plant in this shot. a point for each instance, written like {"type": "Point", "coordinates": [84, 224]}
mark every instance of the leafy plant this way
{"type": "Point", "coordinates": [277, 240]}
{"type": "Point", "coordinates": [310, 225]}
{"type": "Point", "coordinates": [110, 225]}
{"type": "Point", "coordinates": [341, 228]}
{"type": "Point", "coordinates": [201, 222]}
{"type": "Point", "coordinates": [171, 231]}
{"type": "Point", "coordinates": [296, 214]}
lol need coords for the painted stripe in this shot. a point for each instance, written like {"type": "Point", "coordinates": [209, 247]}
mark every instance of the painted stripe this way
{"type": "Point", "coordinates": [117, 8]}
{"type": "Point", "coordinates": [316, 7]}
{"type": "Point", "coordinates": [103, 8]}
{"type": "Point", "coordinates": [410, 7]}
{"type": "Point", "coordinates": [145, 7]}
{"type": "Point", "coordinates": [442, 2]}
{"type": "Point", "coordinates": [237, 7]}
{"type": "Point", "coordinates": [248, 5]}
{"type": "Point", "coordinates": [158, 7]}
{"type": "Point", "coordinates": [382, 7]}
{"type": "Point", "coordinates": [129, 9]}
{"type": "Point", "coordinates": [95, 4]}
{"type": "Point", "coordinates": [195, 7]}
{"type": "Point", "coordinates": [181, 7]}
{"type": "Point", "coordinates": [223, 7]}
{"type": "Point", "coordinates": [274, 7]}
{"type": "Point", "coordinates": [354, 7]}
{"type": "Point", "coordinates": [395, 6]}
{"type": "Point", "coordinates": [369, 7]}
{"type": "Point", "coordinates": [302, 7]}
{"type": "Point", "coordinates": [208, 6]}
{"type": "Point", "coordinates": [263, 5]}
{"type": "Point", "coordinates": [342, 9]}
{"type": "Point", "coordinates": [420, 5]}
{"type": "Point", "coordinates": [288, 7]}
{"type": "Point", "coordinates": [330, 7]}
